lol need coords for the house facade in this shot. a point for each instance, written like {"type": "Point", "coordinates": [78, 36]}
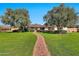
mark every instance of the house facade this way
{"type": "Point", "coordinates": [43, 28]}
{"type": "Point", "coordinates": [70, 29]}
{"type": "Point", "coordinates": [39, 28]}
{"type": "Point", "coordinates": [5, 28]}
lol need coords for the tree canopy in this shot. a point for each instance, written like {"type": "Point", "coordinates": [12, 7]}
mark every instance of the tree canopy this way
{"type": "Point", "coordinates": [18, 17]}
{"type": "Point", "coordinates": [61, 16]}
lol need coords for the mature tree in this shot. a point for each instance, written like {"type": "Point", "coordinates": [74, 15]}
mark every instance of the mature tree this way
{"type": "Point", "coordinates": [18, 18]}
{"type": "Point", "coordinates": [61, 16]}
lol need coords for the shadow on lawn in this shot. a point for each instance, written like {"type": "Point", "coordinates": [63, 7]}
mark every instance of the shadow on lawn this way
{"type": "Point", "coordinates": [49, 32]}
{"type": "Point", "coordinates": [56, 32]}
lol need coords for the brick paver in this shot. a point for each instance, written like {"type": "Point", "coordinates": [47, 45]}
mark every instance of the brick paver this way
{"type": "Point", "coordinates": [40, 48]}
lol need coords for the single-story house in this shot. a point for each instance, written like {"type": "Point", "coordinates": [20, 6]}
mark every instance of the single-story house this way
{"type": "Point", "coordinates": [42, 28]}
{"type": "Point", "coordinates": [39, 28]}
{"type": "Point", "coordinates": [71, 29]}
{"type": "Point", "coordinates": [5, 28]}
{"type": "Point", "coordinates": [8, 29]}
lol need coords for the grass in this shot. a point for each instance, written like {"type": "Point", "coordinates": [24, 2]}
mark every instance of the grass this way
{"type": "Point", "coordinates": [63, 44]}
{"type": "Point", "coordinates": [17, 44]}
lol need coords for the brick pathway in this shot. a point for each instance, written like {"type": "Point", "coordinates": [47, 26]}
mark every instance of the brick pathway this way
{"type": "Point", "coordinates": [40, 48]}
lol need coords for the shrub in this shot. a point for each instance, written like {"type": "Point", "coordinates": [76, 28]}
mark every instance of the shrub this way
{"type": "Point", "coordinates": [60, 31]}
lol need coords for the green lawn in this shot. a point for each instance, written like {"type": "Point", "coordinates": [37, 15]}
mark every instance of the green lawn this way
{"type": "Point", "coordinates": [63, 44]}
{"type": "Point", "coordinates": [17, 44]}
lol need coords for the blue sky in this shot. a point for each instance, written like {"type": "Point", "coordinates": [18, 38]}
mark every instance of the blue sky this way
{"type": "Point", "coordinates": [36, 10]}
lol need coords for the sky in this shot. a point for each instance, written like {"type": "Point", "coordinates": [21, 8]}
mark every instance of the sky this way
{"type": "Point", "coordinates": [36, 10]}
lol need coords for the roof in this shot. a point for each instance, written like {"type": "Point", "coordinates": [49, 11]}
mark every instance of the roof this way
{"type": "Point", "coordinates": [37, 25]}
{"type": "Point", "coordinates": [5, 27]}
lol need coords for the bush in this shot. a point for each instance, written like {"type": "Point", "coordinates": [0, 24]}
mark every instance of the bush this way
{"type": "Point", "coordinates": [15, 31]}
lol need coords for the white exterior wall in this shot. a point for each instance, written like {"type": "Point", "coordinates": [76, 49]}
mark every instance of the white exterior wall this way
{"type": "Point", "coordinates": [55, 28]}
{"type": "Point", "coordinates": [14, 29]}
{"type": "Point", "coordinates": [46, 28]}
{"type": "Point", "coordinates": [72, 30]}
{"type": "Point", "coordinates": [65, 28]}
{"type": "Point", "coordinates": [38, 28]}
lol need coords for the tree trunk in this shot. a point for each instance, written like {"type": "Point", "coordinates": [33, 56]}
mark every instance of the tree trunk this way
{"type": "Point", "coordinates": [59, 28]}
